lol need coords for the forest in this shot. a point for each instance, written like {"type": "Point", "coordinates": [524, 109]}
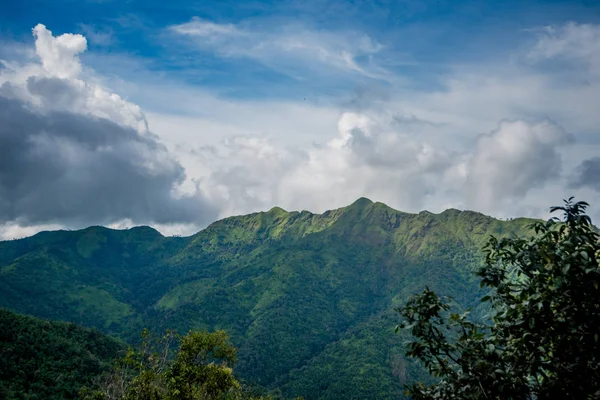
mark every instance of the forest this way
{"type": "Point", "coordinates": [309, 302]}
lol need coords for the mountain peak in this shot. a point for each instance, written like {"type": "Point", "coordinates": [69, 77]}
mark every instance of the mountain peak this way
{"type": "Point", "coordinates": [277, 211]}
{"type": "Point", "coordinates": [361, 203]}
{"type": "Point", "coordinates": [145, 230]}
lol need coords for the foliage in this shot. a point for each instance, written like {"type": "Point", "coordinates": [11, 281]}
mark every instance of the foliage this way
{"type": "Point", "coordinates": [298, 292]}
{"type": "Point", "coordinates": [50, 360]}
{"type": "Point", "coordinates": [201, 368]}
{"type": "Point", "coordinates": [542, 339]}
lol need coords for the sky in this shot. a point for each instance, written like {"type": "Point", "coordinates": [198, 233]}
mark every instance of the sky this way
{"type": "Point", "coordinates": [175, 113]}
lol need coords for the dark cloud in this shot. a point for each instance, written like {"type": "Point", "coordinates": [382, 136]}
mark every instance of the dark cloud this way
{"type": "Point", "coordinates": [53, 92]}
{"type": "Point", "coordinates": [587, 174]}
{"type": "Point", "coordinates": [73, 169]}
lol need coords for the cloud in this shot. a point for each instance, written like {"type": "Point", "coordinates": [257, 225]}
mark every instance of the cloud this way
{"type": "Point", "coordinates": [59, 55]}
{"type": "Point", "coordinates": [412, 148]}
{"type": "Point", "coordinates": [244, 173]}
{"type": "Point", "coordinates": [98, 36]}
{"type": "Point", "coordinates": [385, 161]}
{"type": "Point", "coordinates": [576, 44]}
{"type": "Point", "coordinates": [58, 85]}
{"type": "Point", "coordinates": [367, 158]}
{"type": "Point", "coordinates": [512, 160]}
{"type": "Point", "coordinates": [73, 153]}
{"type": "Point", "coordinates": [201, 156]}
{"type": "Point", "coordinates": [11, 231]}
{"type": "Point", "coordinates": [206, 29]}
{"type": "Point", "coordinates": [587, 174]}
{"type": "Point", "coordinates": [76, 169]}
{"type": "Point", "coordinates": [288, 48]}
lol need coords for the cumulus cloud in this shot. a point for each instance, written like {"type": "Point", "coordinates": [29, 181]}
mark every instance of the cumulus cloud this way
{"type": "Point", "coordinates": [69, 168]}
{"type": "Point", "coordinates": [251, 172]}
{"type": "Point", "coordinates": [384, 160]}
{"type": "Point", "coordinates": [73, 153]}
{"type": "Point", "coordinates": [512, 160]}
{"type": "Point", "coordinates": [59, 55]}
{"type": "Point", "coordinates": [57, 84]}
{"type": "Point", "coordinates": [246, 172]}
{"type": "Point", "coordinates": [367, 158]}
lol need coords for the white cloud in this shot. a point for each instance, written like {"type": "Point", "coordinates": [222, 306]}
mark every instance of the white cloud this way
{"type": "Point", "coordinates": [59, 55]}
{"type": "Point", "coordinates": [57, 85]}
{"type": "Point", "coordinates": [11, 231]}
{"type": "Point", "coordinates": [572, 42]}
{"type": "Point", "coordinates": [512, 160]}
{"type": "Point", "coordinates": [288, 47]}
{"type": "Point", "coordinates": [367, 158]}
{"type": "Point", "coordinates": [519, 165]}
{"type": "Point", "coordinates": [386, 162]}
{"type": "Point", "coordinates": [206, 29]}
{"type": "Point", "coordinates": [483, 141]}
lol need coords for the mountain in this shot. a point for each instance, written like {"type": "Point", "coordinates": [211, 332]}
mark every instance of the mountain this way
{"type": "Point", "coordinates": [50, 360]}
{"type": "Point", "coordinates": [307, 298]}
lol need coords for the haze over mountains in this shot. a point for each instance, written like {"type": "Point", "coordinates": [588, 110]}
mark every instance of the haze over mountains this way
{"type": "Point", "coordinates": [307, 298]}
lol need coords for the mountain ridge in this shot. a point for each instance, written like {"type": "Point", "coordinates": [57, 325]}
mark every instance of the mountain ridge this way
{"type": "Point", "coordinates": [277, 212]}
{"type": "Point", "coordinates": [296, 290]}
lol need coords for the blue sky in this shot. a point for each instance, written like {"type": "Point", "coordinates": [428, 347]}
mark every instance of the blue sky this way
{"type": "Point", "coordinates": [421, 40]}
{"type": "Point", "coordinates": [215, 108]}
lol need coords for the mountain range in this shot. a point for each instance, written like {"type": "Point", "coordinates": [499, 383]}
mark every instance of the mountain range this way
{"type": "Point", "coordinates": [307, 298]}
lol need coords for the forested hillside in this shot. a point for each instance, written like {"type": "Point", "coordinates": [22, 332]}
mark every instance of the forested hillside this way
{"type": "Point", "coordinates": [307, 298]}
{"type": "Point", "coordinates": [50, 360]}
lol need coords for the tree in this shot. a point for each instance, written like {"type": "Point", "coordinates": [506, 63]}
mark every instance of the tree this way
{"type": "Point", "coordinates": [201, 368]}
{"type": "Point", "coordinates": [541, 340]}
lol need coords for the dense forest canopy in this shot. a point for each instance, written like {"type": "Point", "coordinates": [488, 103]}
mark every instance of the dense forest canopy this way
{"type": "Point", "coordinates": [50, 360]}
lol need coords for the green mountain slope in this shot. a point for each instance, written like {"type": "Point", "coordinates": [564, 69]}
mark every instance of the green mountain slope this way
{"type": "Point", "coordinates": [306, 297]}
{"type": "Point", "coordinates": [50, 360]}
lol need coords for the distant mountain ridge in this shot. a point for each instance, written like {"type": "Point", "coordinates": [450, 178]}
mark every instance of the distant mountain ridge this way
{"type": "Point", "coordinates": [308, 298]}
